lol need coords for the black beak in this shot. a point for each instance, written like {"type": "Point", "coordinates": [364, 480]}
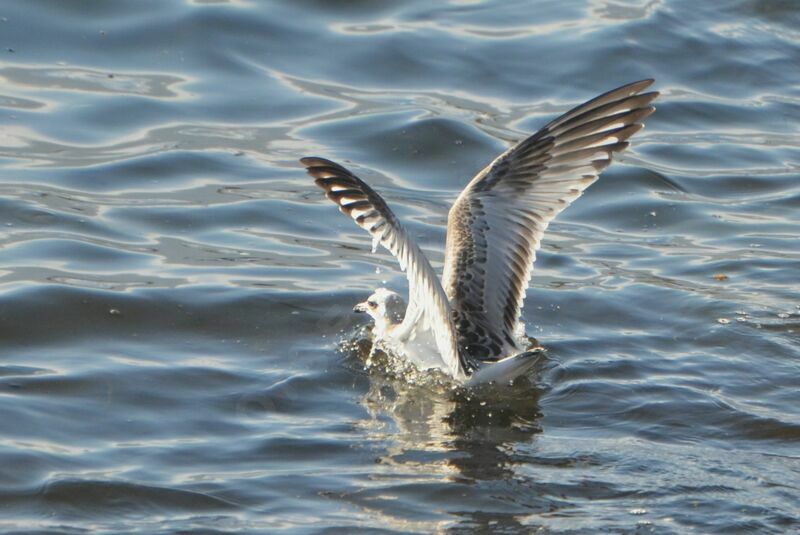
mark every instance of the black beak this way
{"type": "Point", "coordinates": [361, 308]}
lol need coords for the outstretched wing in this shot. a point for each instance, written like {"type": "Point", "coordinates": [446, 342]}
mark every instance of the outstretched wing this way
{"type": "Point", "coordinates": [427, 300]}
{"type": "Point", "coordinates": [496, 224]}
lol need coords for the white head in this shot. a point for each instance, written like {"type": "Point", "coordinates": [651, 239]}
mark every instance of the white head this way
{"type": "Point", "coordinates": [386, 307]}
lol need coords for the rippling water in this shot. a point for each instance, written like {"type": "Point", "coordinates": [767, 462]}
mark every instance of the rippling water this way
{"type": "Point", "coordinates": [174, 289]}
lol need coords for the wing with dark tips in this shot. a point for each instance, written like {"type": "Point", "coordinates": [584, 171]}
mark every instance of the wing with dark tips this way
{"type": "Point", "coordinates": [497, 222]}
{"type": "Point", "coordinates": [428, 306]}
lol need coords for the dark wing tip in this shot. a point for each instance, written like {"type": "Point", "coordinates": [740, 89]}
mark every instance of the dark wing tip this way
{"type": "Point", "coordinates": [623, 91]}
{"type": "Point", "coordinates": [310, 161]}
{"type": "Point", "coordinates": [320, 171]}
{"type": "Point", "coordinates": [315, 161]}
{"type": "Point", "coordinates": [641, 85]}
{"type": "Point", "coordinates": [647, 112]}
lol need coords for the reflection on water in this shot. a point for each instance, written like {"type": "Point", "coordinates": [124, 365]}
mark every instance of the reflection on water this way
{"type": "Point", "coordinates": [435, 431]}
{"type": "Point", "coordinates": [173, 288]}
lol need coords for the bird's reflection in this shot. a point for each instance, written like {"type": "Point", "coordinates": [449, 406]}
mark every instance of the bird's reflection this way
{"type": "Point", "coordinates": [481, 424]}
{"type": "Point", "coordinates": [429, 427]}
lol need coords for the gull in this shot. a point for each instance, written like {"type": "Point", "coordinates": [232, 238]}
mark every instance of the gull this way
{"type": "Point", "coordinates": [469, 322]}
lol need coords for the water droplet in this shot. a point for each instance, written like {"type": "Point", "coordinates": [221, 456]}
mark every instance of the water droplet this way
{"type": "Point", "coordinates": [783, 315]}
{"type": "Point", "coordinates": [114, 312]}
{"type": "Point", "coordinates": [723, 321]}
{"type": "Point", "coordinates": [638, 511]}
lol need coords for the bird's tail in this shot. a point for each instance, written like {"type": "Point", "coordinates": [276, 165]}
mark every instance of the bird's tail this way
{"type": "Point", "coordinates": [507, 369]}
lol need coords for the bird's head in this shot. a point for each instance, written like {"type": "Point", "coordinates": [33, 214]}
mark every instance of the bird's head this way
{"type": "Point", "coordinates": [386, 307]}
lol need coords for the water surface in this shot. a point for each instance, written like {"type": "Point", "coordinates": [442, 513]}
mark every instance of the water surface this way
{"type": "Point", "coordinates": [174, 289]}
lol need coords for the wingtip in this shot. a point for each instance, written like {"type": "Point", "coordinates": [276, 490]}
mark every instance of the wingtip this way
{"type": "Point", "coordinates": [311, 161]}
{"type": "Point", "coordinates": [649, 110]}
{"type": "Point", "coordinates": [637, 87]}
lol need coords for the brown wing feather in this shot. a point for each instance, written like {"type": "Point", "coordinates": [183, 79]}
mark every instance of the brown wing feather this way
{"type": "Point", "coordinates": [496, 224]}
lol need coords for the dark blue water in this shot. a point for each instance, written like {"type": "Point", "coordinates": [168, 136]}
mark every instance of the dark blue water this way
{"type": "Point", "coordinates": [174, 289]}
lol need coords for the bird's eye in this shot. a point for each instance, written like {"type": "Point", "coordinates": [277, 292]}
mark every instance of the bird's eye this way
{"type": "Point", "coordinates": [372, 304]}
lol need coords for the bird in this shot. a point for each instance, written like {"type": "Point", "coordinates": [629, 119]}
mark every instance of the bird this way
{"type": "Point", "coordinates": [468, 322]}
